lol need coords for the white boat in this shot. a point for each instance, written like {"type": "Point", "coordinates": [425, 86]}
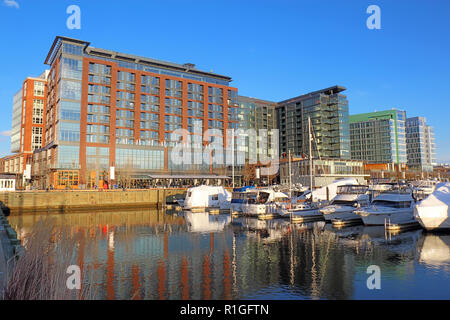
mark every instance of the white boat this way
{"type": "Point", "coordinates": [203, 197]}
{"type": "Point", "coordinates": [328, 192]}
{"type": "Point", "coordinates": [204, 222]}
{"type": "Point", "coordinates": [348, 199]}
{"type": "Point", "coordinates": [433, 212]}
{"type": "Point", "coordinates": [239, 197]}
{"type": "Point", "coordinates": [263, 201]}
{"type": "Point", "coordinates": [388, 207]}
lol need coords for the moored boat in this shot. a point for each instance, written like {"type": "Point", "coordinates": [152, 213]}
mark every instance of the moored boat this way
{"type": "Point", "coordinates": [202, 197]}
{"type": "Point", "coordinates": [433, 212]}
{"type": "Point", "coordinates": [263, 202]}
{"type": "Point", "coordinates": [348, 199]}
{"type": "Point", "coordinates": [394, 206]}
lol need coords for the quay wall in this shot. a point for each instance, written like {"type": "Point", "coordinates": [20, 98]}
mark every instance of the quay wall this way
{"type": "Point", "coordinates": [45, 201]}
{"type": "Point", "coordinates": [10, 247]}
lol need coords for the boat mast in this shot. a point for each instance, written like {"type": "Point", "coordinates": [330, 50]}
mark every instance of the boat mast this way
{"type": "Point", "coordinates": [232, 153]}
{"type": "Point", "coordinates": [290, 176]}
{"type": "Point", "coordinates": [310, 158]}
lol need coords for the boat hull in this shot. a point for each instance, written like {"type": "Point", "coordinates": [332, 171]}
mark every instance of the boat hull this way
{"type": "Point", "coordinates": [258, 209]}
{"type": "Point", "coordinates": [371, 218]}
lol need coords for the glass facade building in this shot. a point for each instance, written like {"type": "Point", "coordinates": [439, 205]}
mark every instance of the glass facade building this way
{"type": "Point", "coordinates": [257, 114]}
{"type": "Point", "coordinates": [379, 137]}
{"type": "Point", "coordinates": [16, 122]}
{"type": "Point", "coordinates": [328, 110]}
{"type": "Point", "coordinates": [108, 109]}
{"type": "Point", "coordinates": [420, 145]}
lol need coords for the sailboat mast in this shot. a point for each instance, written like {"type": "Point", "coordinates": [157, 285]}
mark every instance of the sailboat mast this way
{"type": "Point", "coordinates": [232, 154]}
{"type": "Point", "coordinates": [290, 176]}
{"type": "Point", "coordinates": [310, 157]}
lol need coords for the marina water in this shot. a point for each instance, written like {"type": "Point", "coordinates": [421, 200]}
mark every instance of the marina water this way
{"type": "Point", "coordinates": [151, 254]}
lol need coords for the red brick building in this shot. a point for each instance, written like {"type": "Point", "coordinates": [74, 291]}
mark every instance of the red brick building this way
{"type": "Point", "coordinates": [108, 111]}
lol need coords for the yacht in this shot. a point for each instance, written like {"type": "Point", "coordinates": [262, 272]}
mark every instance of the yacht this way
{"type": "Point", "coordinates": [264, 201]}
{"type": "Point", "coordinates": [238, 197]}
{"type": "Point", "coordinates": [394, 206]}
{"type": "Point", "coordinates": [348, 199]}
{"type": "Point", "coordinates": [202, 197]}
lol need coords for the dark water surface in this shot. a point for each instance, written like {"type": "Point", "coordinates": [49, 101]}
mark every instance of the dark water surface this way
{"type": "Point", "coordinates": [149, 254]}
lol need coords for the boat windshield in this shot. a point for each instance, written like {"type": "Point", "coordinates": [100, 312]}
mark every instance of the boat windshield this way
{"type": "Point", "coordinates": [352, 189]}
{"type": "Point", "coordinates": [344, 202]}
{"type": "Point", "coordinates": [392, 204]}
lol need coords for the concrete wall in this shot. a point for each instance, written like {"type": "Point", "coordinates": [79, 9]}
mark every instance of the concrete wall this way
{"type": "Point", "coordinates": [40, 201]}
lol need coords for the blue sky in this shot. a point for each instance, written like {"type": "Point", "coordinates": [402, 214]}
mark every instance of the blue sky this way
{"type": "Point", "coordinates": [273, 50]}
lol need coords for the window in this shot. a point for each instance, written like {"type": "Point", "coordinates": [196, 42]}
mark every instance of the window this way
{"type": "Point", "coordinates": [39, 88]}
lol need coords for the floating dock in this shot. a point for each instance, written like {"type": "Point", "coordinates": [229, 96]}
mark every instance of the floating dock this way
{"type": "Point", "coordinates": [298, 218]}
{"type": "Point", "coordinates": [340, 223]}
{"type": "Point", "coordinates": [403, 226]}
{"type": "Point", "coordinates": [268, 216]}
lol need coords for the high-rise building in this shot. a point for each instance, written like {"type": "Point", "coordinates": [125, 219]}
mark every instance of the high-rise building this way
{"type": "Point", "coordinates": [328, 110]}
{"type": "Point", "coordinates": [379, 137]}
{"type": "Point", "coordinates": [258, 115]}
{"type": "Point", "coordinates": [420, 146]}
{"type": "Point", "coordinates": [110, 110]}
{"type": "Point", "coordinates": [29, 105]}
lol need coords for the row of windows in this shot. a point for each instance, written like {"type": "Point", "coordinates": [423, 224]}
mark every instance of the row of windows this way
{"type": "Point", "coordinates": [139, 159]}
{"type": "Point", "coordinates": [95, 138]}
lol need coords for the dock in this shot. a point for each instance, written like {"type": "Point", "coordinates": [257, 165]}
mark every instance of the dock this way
{"type": "Point", "coordinates": [341, 223]}
{"type": "Point", "coordinates": [403, 226]}
{"type": "Point", "coordinates": [295, 218]}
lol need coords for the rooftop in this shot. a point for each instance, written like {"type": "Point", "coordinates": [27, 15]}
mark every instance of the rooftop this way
{"type": "Point", "coordinates": [109, 54]}
{"type": "Point", "coordinates": [328, 91]}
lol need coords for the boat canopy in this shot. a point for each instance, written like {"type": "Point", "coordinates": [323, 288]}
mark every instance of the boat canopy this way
{"type": "Point", "coordinates": [321, 193]}
{"type": "Point", "coordinates": [440, 197]}
{"type": "Point", "coordinates": [206, 196]}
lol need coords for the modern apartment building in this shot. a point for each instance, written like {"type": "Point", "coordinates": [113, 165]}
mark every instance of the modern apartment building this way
{"type": "Point", "coordinates": [110, 114]}
{"type": "Point", "coordinates": [328, 110]}
{"type": "Point", "coordinates": [29, 105]}
{"type": "Point", "coordinates": [420, 145]}
{"type": "Point", "coordinates": [256, 114]}
{"type": "Point", "coordinates": [379, 137]}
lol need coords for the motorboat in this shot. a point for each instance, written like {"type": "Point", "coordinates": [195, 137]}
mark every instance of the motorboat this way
{"type": "Point", "coordinates": [347, 200]}
{"type": "Point", "coordinates": [239, 196]}
{"type": "Point", "coordinates": [433, 212]}
{"type": "Point", "coordinates": [203, 197]}
{"type": "Point", "coordinates": [390, 207]}
{"type": "Point", "coordinates": [264, 201]}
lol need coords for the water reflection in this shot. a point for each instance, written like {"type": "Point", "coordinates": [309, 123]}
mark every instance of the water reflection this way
{"type": "Point", "coordinates": [149, 254]}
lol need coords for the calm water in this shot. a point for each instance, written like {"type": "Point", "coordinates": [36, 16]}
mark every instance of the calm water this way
{"type": "Point", "coordinates": [152, 254]}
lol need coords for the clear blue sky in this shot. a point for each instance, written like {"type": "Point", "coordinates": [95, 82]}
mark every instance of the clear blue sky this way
{"type": "Point", "coordinates": [273, 50]}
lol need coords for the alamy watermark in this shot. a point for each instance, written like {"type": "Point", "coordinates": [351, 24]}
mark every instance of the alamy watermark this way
{"type": "Point", "coordinates": [374, 20]}
{"type": "Point", "coordinates": [208, 147]}
{"type": "Point", "coordinates": [74, 280]}
{"type": "Point", "coordinates": [74, 20]}
{"type": "Point", "coordinates": [374, 280]}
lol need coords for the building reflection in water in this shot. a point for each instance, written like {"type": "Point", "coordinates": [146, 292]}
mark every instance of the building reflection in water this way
{"type": "Point", "coordinates": [149, 254]}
